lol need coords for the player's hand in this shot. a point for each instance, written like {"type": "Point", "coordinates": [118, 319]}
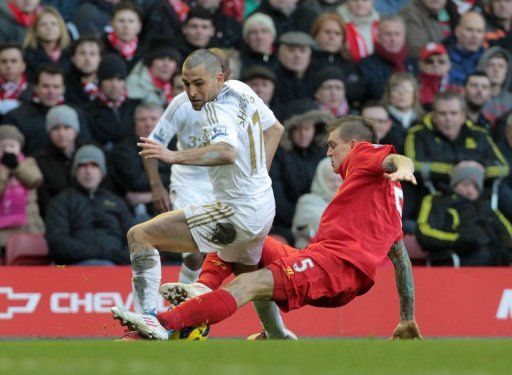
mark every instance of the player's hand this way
{"type": "Point", "coordinates": [160, 199]}
{"type": "Point", "coordinates": [401, 175]}
{"type": "Point", "coordinates": [154, 150]}
{"type": "Point", "coordinates": [406, 330]}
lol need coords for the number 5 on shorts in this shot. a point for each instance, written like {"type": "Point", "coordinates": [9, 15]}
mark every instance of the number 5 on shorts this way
{"type": "Point", "coordinates": [304, 265]}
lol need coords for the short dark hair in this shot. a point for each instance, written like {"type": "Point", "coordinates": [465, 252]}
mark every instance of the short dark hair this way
{"type": "Point", "coordinates": [50, 69]}
{"type": "Point", "coordinates": [9, 45]}
{"type": "Point", "coordinates": [127, 5]}
{"type": "Point", "coordinates": [91, 38]}
{"type": "Point", "coordinates": [206, 57]}
{"type": "Point", "coordinates": [199, 12]}
{"type": "Point", "coordinates": [355, 128]}
{"type": "Point", "coordinates": [478, 73]}
{"type": "Point", "coordinates": [449, 95]}
{"type": "Point", "coordinates": [373, 103]}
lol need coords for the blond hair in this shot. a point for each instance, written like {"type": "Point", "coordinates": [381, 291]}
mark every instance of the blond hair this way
{"type": "Point", "coordinates": [31, 39]}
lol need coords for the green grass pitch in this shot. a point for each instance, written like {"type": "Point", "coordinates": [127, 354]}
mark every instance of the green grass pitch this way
{"type": "Point", "coordinates": [224, 357]}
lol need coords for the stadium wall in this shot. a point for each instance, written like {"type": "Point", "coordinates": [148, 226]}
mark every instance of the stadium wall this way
{"type": "Point", "coordinates": [75, 302]}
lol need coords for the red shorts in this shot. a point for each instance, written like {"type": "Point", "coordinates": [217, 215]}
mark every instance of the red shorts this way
{"type": "Point", "coordinates": [313, 276]}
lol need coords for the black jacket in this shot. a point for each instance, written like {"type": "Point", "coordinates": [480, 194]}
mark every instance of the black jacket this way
{"type": "Point", "coordinates": [471, 229]}
{"type": "Point", "coordinates": [126, 169]}
{"type": "Point", "coordinates": [30, 119]}
{"type": "Point", "coordinates": [75, 93]}
{"type": "Point", "coordinates": [161, 19]}
{"type": "Point", "coordinates": [376, 72]}
{"type": "Point", "coordinates": [92, 16]}
{"type": "Point", "coordinates": [228, 31]}
{"type": "Point", "coordinates": [82, 226]}
{"type": "Point", "coordinates": [289, 87]}
{"type": "Point", "coordinates": [35, 57]}
{"type": "Point", "coordinates": [109, 126]}
{"type": "Point", "coordinates": [250, 58]}
{"type": "Point", "coordinates": [56, 169]}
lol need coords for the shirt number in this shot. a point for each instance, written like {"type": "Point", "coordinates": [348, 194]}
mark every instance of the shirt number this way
{"type": "Point", "coordinates": [399, 198]}
{"type": "Point", "coordinates": [303, 265]}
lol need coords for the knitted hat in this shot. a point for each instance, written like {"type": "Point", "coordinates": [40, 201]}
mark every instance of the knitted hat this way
{"type": "Point", "coordinates": [62, 115]}
{"type": "Point", "coordinates": [326, 74]}
{"type": "Point", "coordinates": [11, 132]}
{"type": "Point", "coordinates": [258, 71]}
{"type": "Point", "coordinates": [112, 66]}
{"type": "Point", "coordinates": [89, 154]}
{"type": "Point", "coordinates": [468, 170]}
{"type": "Point", "coordinates": [258, 18]}
{"type": "Point", "coordinates": [297, 38]}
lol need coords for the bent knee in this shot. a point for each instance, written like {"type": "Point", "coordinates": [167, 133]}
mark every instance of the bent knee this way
{"type": "Point", "coordinates": [252, 286]}
{"type": "Point", "coordinates": [137, 235]}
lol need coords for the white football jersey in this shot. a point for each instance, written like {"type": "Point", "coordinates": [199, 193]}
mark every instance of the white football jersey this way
{"type": "Point", "coordinates": [238, 117]}
{"type": "Point", "coordinates": [181, 119]}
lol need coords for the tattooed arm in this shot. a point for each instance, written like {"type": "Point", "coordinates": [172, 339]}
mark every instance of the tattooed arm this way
{"type": "Point", "coordinates": [398, 168]}
{"type": "Point", "coordinates": [407, 328]}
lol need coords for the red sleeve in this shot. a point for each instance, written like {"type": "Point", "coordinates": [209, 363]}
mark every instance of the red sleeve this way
{"type": "Point", "coordinates": [369, 157]}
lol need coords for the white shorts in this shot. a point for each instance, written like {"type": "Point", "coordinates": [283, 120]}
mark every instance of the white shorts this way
{"type": "Point", "coordinates": [219, 227]}
{"type": "Point", "coordinates": [182, 196]}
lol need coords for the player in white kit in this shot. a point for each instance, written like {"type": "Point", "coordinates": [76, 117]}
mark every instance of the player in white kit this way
{"type": "Point", "coordinates": [241, 136]}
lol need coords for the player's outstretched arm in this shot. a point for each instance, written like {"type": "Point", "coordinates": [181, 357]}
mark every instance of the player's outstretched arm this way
{"type": "Point", "coordinates": [398, 168]}
{"type": "Point", "coordinates": [214, 154]}
{"type": "Point", "coordinates": [407, 327]}
{"type": "Point", "coordinates": [271, 138]}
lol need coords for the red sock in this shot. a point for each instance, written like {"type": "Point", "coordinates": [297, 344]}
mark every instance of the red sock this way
{"type": "Point", "coordinates": [209, 308]}
{"type": "Point", "coordinates": [214, 271]}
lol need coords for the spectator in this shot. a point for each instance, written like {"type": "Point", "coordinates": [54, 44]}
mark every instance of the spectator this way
{"type": "Point", "coordinates": [390, 57]}
{"type": "Point", "coordinates": [263, 81]}
{"type": "Point", "coordinates": [322, 6]}
{"type": "Point", "coordinates": [16, 16]}
{"type": "Point", "coordinates": [47, 42]}
{"type": "Point", "coordinates": [177, 84]}
{"type": "Point", "coordinates": [66, 8]}
{"type": "Point", "coordinates": [387, 133]}
{"type": "Point", "coordinates": [330, 91]}
{"type": "Point", "coordinates": [434, 73]}
{"type": "Point", "coordinates": [361, 27]}
{"type": "Point", "coordinates": [477, 92]}
{"type": "Point", "coordinates": [228, 30]}
{"type": "Point", "coordinates": [428, 21]}
{"type": "Point", "coordinates": [110, 115]}
{"type": "Point", "coordinates": [288, 15]}
{"type": "Point", "coordinates": [389, 7]}
{"type": "Point", "coordinates": [82, 77]}
{"type": "Point", "coordinates": [14, 87]}
{"type": "Point", "coordinates": [466, 48]}
{"type": "Point", "coordinates": [498, 21]}
{"type": "Point", "coordinates": [30, 117]}
{"type": "Point", "coordinates": [329, 34]}
{"type": "Point", "coordinates": [165, 18]}
{"type": "Point", "coordinates": [56, 157]}
{"type": "Point", "coordinates": [87, 224]}
{"type": "Point", "coordinates": [259, 34]}
{"type": "Point", "coordinates": [128, 175]}
{"type": "Point", "coordinates": [462, 228]}
{"type": "Point", "coordinates": [151, 79]}
{"type": "Point", "coordinates": [93, 16]}
{"type": "Point", "coordinates": [197, 32]}
{"type": "Point", "coordinates": [401, 98]}
{"type": "Point", "coordinates": [496, 63]}
{"type": "Point", "coordinates": [19, 178]}
{"type": "Point", "coordinates": [123, 40]}
{"type": "Point", "coordinates": [505, 188]}
{"type": "Point", "coordinates": [293, 168]}
{"type": "Point", "coordinates": [310, 206]}
{"type": "Point", "coordinates": [294, 74]}
{"type": "Point", "coordinates": [445, 138]}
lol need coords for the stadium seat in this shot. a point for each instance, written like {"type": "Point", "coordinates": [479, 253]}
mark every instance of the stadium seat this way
{"type": "Point", "coordinates": [26, 249]}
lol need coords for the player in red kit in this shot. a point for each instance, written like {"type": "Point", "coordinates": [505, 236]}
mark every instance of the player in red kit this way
{"type": "Point", "coordinates": [357, 230]}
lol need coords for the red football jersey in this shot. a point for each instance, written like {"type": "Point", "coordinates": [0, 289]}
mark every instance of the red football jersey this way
{"type": "Point", "coordinates": [364, 218]}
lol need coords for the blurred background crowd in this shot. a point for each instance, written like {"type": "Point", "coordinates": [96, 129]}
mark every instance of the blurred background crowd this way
{"type": "Point", "coordinates": [80, 81]}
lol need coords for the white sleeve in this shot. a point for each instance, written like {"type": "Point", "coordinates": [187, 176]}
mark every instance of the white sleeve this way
{"type": "Point", "coordinates": [267, 117]}
{"type": "Point", "coordinates": [221, 125]}
{"type": "Point", "coordinates": [170, 122]}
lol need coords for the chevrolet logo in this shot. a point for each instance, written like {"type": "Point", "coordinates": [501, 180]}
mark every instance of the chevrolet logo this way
{"type": "Point", "coordinates": [30, 302]}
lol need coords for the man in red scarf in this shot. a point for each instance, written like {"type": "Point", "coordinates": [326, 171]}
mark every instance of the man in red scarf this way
{"type": "Point", "coordinates": [390, 56]}
{"type": "Point", "coordinates": [13, 85]}
{"type": "Point", "coordinates": [15, 18]}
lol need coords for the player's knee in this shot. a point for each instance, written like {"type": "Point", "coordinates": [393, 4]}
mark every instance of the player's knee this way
{"type": "Point", "coordinates": [136, 235]}
{"type": "Point", "coordinates": [244, 287]}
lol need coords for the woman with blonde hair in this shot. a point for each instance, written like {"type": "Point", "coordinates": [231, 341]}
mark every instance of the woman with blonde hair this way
{"type": "Point", "coordinates": [328, 32]}
{"type": "Point", "coordinates": [401, 98]}
{"type": "Point", "coordinates": [47, 42]}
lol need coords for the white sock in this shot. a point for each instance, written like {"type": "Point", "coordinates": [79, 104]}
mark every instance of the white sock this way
{"type": "Point", "coordinates": [188, 275]}
{"type": "Point", "coordinates": [270, 317]}
{"type": "Point", "coordinates": [147, 273]}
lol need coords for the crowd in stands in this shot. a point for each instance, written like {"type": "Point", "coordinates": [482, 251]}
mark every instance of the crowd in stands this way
{"type": "Point", "coordinates": [81, 80]}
